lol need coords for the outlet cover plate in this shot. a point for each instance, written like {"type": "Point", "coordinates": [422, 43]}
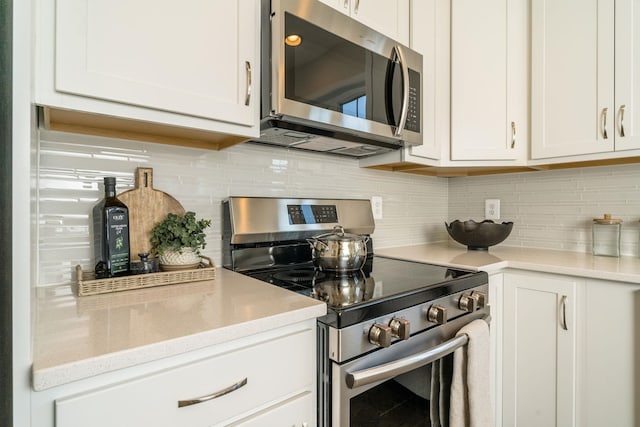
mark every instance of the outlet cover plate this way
{"type": "Point", "coordinates": [492, 209]}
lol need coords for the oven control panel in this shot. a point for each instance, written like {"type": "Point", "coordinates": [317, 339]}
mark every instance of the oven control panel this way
{"type": "Point", "coordinates": [352, 341]}
{"type": "Point", "coordinates": [312, 214]}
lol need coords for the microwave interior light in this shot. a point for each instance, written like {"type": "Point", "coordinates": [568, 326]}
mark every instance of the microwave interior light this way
{"type": "Point", "coordinates": [293, 40]}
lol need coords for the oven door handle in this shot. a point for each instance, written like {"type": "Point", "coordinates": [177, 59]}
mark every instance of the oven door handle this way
{"type": "Point", "coordinates": [389, 370]}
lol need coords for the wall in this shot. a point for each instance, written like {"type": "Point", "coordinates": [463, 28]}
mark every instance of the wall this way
{"type": "Point", "coordinates": [555, 209]}
{"type": "Point", "coordinates": [550, 209]}
{"type": "Point", "coordinates": [71, 168]}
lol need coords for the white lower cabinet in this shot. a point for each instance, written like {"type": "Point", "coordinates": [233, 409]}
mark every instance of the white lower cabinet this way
{"type": "Point", "coordinates": [609, 355]}
{"type": "Point", "coordinates": [539, 353]}
{"type": "Point", "coordinates": [269, 379]}
{"type": "Point", "coordinates": [570, 351]}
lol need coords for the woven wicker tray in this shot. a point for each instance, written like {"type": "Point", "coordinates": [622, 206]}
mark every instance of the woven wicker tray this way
{"type": "Point", "coordinates": [89, 285]}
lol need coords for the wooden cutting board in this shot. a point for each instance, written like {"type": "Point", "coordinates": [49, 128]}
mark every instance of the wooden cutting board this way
{"type": "Point", "coordinates": [147, 207]}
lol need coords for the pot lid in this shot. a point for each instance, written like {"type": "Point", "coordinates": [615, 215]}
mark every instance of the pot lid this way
{"type": "Point", "coordinates": [607, 220]}
{"type": "Point", "coordinates": [338, 234]}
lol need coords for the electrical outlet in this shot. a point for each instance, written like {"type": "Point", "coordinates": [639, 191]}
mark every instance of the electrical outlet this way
{"type": "Point", "coordinates": [492, 209]}
{"type": "Point", "coordinates": [376, 205]}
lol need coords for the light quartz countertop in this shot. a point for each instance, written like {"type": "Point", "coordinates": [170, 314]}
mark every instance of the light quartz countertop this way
{"type": "Point", "coordinates": [79, 337]}
{"type": "Point", "coordinates": [623, 269]}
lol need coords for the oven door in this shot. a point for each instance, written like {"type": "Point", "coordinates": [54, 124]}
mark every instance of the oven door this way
{"type": "Point", "coordinates": [328, 68]}
{"type": "Point", "coordinates": [396, 383]}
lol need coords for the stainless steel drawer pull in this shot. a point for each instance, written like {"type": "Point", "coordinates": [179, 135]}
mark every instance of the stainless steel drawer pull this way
{"type": "Point", "coordinates": [214, 395]}
{"type": "Point", "coordinates": [604, 123]}
{"type": "Point", "coordinates": [563, 313]}
{"type": "Point", "coordinates": [247, 99]}
{"type": "Point", "coordinates": [622, 107]}
{"type": "Point", "coordinates": [513, 134]}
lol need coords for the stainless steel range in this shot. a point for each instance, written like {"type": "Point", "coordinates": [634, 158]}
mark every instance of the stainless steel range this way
{"type": "Point", "coordinates": [386, 321]}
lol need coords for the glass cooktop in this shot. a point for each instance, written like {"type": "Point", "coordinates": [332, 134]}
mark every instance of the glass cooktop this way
{"type": "Point", "coordinates": [382, 286]}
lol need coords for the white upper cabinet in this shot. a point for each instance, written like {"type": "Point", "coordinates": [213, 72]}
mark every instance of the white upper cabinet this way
{"type": "Point", "coordinates": [193, 64]}
{"type": "Point", "coordinates": [627, 75]}
{"type": "Point", "coordinates": [585, 77]}
{"type": "Point", "coordinates": [489, 114]}
{"type": "Point", "coordinates": [425, 30]}
{"type": "Point", "coordinates": [390, 17]}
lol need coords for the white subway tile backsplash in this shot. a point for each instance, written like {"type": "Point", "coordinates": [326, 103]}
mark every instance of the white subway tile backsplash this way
{"type": "Point", "coordinates": [550, 209]}
{"type": "Point", "coordinates": [71, 169]}
{"type": "Point", "coordinates": [555, 209]}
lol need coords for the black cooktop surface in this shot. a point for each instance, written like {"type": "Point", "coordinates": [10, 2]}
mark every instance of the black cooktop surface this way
{"type": "Point", "coordinates": [382, 286]}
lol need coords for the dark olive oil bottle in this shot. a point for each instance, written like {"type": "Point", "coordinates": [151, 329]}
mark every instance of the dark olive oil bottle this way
{"type": "Point", "coordinates": [111, 233]}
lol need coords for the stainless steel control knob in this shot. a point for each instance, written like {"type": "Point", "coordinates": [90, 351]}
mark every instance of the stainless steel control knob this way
{"type": "Point", "coordinates": [380, 335]}
{"type": "Point", "coordinates": [437, 314]}
{"type": "Point", "coordinates": [467, 303]}
{"type": "Point", "coordinates": [400, 328]}
{"type": "Point", "coordinates": [480, 297]}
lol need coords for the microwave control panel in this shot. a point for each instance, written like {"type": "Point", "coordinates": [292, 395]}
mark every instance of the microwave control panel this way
{"type": "Point", "coordinates": [414, 114]}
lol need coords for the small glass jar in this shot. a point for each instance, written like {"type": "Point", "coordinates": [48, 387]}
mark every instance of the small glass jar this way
{"type": "Point", "coordinates": [606, 236]}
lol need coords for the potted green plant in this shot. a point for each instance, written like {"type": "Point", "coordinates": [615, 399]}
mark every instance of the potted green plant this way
{"type": "Point", "coordinates": [178, 239]}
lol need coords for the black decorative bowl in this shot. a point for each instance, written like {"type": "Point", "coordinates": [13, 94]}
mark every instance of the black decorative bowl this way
{"type": "Point", "coordinates": [478, 236]}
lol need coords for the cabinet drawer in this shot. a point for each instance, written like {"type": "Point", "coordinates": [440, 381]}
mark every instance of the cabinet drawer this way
{"type": "Point", "coordinates": [274, 370]}
{"type": "Point", "coordinates": [296, 412]}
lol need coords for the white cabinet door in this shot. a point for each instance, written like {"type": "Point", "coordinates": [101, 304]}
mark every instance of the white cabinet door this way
{"type": "Point", "coordinates": [539, 350]}
{"type": "Point", "coordinates": [195, 58]}
{"type": "Point", "coordinates": [627, 75]}
{"type": "Point", "coordinates": [608, 357]}
{"type": "Point", "coordinates": [291, 413]}
{"type": "Point", "coordinates": [390, 17]}
{"type": "Point", "coordinates": [489, 80]}
{"type": "Point", "coordinates": [426, 38]}
{"type": "Point", "coordinates": [572, 77]}
{"type": "Point", "coordinates": [243, 383]}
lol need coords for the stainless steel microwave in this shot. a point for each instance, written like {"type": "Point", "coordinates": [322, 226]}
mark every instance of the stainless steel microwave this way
{"type": "Point", "coordinates": [332, 84]}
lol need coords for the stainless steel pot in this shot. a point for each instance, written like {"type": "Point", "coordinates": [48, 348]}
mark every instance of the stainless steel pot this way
{"type": "Point", "coordinates": [339, 251]}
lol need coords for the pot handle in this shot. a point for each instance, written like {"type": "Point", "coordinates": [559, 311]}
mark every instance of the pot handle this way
{"type": "Point", "coordinates": [338, 229]}
{"type": "Point", "coordinates": [313, 240]}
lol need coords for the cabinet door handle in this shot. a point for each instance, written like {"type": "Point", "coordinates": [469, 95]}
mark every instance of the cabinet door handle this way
{"type": "Point", "coordinates": [563, 313]}
{"type": "Point", "coordinates": [346, 4]}
{"type": "Point", "coordinates": [622, 107]}
{"type": "Point", "coordinates": [355, 9]}
{"type": "Point", "coordinates": [247, 66]}
{"type": "Point", "coordinates": [214, 395]}
{"type": "Point", "coordinates": [605, 111]}
{"type": "Point", "coordinates": [513, 134]}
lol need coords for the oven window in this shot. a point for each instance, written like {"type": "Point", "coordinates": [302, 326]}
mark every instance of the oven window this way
{"type": "Point", "coordinates": [389, 404]}
{"type": "Point", "coordinates": [416, 398]}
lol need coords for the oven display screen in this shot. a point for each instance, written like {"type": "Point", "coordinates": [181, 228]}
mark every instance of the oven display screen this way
{"type": "Point", "coordinates": [312, 214]}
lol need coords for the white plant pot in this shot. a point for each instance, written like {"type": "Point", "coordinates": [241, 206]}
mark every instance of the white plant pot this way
{"type": "Point", "coordinates": [187, 257]}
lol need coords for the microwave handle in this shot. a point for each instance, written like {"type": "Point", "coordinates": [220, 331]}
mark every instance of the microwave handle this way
{"type": "Point", "coordinates": [399, 56]}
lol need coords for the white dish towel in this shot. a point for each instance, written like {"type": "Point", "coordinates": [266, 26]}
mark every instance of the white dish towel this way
{"type": "Point", "coordinates": [470, 396]}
